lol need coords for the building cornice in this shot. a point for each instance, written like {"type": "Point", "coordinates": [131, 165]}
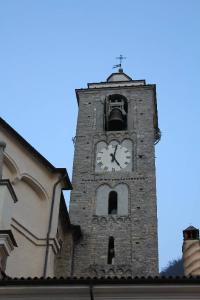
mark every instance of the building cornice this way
{"type": "Point", "coordinates": [35, 153]}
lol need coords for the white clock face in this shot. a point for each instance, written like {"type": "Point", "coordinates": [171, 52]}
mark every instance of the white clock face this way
{"type": "Point", "coordinates": [113, 158]}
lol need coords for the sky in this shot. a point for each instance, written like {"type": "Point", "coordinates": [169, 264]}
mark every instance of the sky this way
{"type": "Point", "coordinates": [48, 48]}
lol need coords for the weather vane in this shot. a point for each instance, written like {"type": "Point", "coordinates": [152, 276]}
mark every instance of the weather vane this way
{"type": "Point", "coordinates": [121, 57]}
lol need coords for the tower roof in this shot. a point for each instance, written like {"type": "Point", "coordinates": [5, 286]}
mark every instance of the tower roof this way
{"type": "Point", "coordinates": [190, 228]}
{"type": "Point", "coordinates": [116, 80]}
{"type": "Point", "coordinates": [119, 76]}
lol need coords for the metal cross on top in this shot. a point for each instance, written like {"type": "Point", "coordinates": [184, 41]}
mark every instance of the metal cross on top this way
{"type": "Point", "coordinates": [121, 57]}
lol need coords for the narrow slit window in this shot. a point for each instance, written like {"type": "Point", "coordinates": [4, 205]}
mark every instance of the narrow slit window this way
{"type": "Point", "coordinates": [111, 251]}
{"type": "Point", "coordinates": [112, 203]}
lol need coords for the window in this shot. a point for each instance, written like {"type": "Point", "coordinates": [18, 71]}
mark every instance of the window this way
{"type": "Point", "coordinates": [112, 203]}
{"type": "Point", "coordinates": [111, 251]}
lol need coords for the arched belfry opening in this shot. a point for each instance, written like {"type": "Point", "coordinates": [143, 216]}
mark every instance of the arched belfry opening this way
{"type": "Point", "coordinates": [116, 109]}
{"type": "Point", "coordinates": [112, 203]}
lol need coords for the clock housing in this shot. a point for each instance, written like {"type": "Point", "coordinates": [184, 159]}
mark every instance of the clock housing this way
{"type": "Point", "coordinates": [113, 157]}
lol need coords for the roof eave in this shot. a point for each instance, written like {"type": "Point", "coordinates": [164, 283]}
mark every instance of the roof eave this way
{"type": "Point", "coordinates": [35, 153]}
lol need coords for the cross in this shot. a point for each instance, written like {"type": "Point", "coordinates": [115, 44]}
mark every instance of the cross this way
{"type": "Point", "coordinates": [121, 57]}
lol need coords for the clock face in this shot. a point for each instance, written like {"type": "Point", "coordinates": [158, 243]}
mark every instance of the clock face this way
{"type": "Point", "coordinates": [113, 158]}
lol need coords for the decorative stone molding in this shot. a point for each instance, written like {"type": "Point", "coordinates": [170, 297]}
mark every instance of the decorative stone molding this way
{"type": "Point", "coordinates": [121, 179]}
{"type": "Point", "coordinates": [104, 220]}
{"type": "Point", "coordinates": [35, 240]}
{"type": "Point", "coordinates": [119, 135]}
{"type": "Point", "coordinates": [109, 271]}
{"type": "Point", "coordinates": [11, 165]}
{"type": "Point", "coordinates": [7, 244]}
{"type": "Point", "coordinates": [35, 185]}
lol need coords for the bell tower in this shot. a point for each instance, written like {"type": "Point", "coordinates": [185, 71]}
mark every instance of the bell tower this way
{"type": "Point", "coordinates": [114, 183]}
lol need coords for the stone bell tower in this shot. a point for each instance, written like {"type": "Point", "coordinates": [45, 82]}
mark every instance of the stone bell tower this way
{"type": "Point", "coordinates": [114, 184]}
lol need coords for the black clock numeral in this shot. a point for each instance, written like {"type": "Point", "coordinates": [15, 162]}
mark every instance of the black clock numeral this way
{"type": "Point", "coordinates": [128, 157]}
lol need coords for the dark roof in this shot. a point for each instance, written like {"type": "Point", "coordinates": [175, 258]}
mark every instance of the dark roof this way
{"type": "Point", "coordinates": [98, 281]}
{"type": "Point", "coordinates": [35, 153]}
{"type": "Point", "coordinates": [190, 228]}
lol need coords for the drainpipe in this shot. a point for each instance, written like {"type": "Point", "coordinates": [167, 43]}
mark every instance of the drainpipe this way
{"type": "Point", "coordinates": [91, 292]}
{"type": "Point", "coordinates": [72, 261]}
{"type": "Point", "coordinates": [49, 225]}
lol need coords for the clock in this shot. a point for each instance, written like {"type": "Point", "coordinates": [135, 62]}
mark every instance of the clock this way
{"type": "Point", "coordinates": [113, 158]}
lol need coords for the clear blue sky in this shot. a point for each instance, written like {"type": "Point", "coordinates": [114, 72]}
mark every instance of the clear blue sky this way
{"type": "Point", "coordinates": [50, 47]}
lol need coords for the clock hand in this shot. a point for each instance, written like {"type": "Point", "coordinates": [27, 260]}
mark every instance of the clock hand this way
{"type": "Point", "coordinates": [113, 154]}
{"type": "Point", "coordinates": [117, 163]}
{"type": "Point", "coordinates": [113, 158]}
{"type": "Point", "coordinates": [115, 150]}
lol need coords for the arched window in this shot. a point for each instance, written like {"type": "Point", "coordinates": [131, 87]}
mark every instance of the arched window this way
{"type": "Point", "coordinates": [116, 109]}
{"type": "Point", "coordinates": [111, 251]}
{"type": "Point", "coordinates": [112, 203]}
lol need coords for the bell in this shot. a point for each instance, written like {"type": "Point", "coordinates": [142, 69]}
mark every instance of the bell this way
{"type": "Point", "coordinates": [115, 121]}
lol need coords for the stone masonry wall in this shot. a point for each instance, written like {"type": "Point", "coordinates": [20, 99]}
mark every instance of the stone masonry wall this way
{"type": "Point", "coordinates": [136, 249]}
{"type": "Point", "coordinates": [63, 260]}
